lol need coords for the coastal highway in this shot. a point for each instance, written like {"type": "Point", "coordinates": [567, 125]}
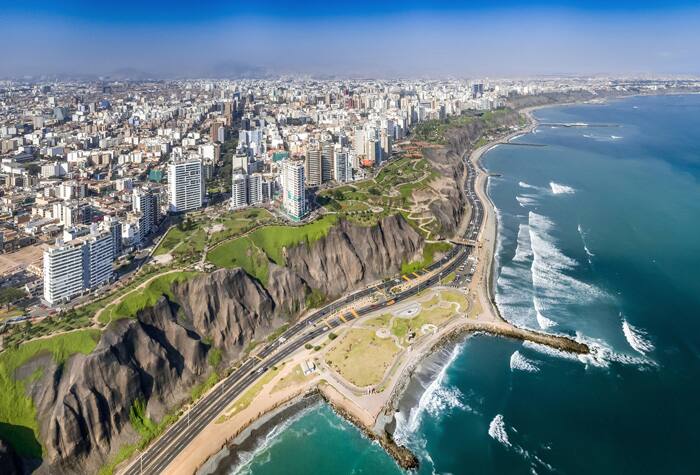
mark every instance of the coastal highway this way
{"type": "Point", "coordinates": [155, 458]}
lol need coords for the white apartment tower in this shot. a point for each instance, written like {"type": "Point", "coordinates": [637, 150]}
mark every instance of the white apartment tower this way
{"type": "Point", "coordinates": [77, 265]}
{"type": "Point", "coordinates": [314, 167]}
{"type": "Point", "coordinates": [63, 271]}
{"type": "Point", "coordinates": [147, 203]}
{"type": "Point", "coordinates": [239, 190]}
{"type": "Point", "coordinates": [185, 185]}
{"type": "Point", "coordinates": [255, 191]}
{"type": "Point", "coordinates": [293, 189]}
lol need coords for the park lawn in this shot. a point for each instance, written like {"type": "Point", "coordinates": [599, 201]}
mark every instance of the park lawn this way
{"type": "Point", "coordinates": [172, 238]}
{"type": "Point", "coordinates": [378, 322]}
{"type": "Point", "coordinates": [144, 297]}
{"type": "Point", "coordinates": [240, 222]}
{"type": "Point", "coordinates": [429, 251]}
{"type": "Point", "coordinates": [457, 297]}
{"type": "Point", "coordinates": [193, 245]}
{"type": "Point", "coordinates": [361, 357]}
{"type": "Point", "coordinates": [18, 424]}
{"type": "Point", "coordinates": [271, 240]}
{"type": "Point", "coordinates": [434, 312]}
{"type": "Point", "coordinates": [244, 254]}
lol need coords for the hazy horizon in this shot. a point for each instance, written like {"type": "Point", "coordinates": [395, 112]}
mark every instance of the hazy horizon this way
{"type": "Point", "coordinates": [184, 39]}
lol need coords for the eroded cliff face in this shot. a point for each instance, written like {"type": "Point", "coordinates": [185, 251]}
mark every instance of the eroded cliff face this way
{"type": "Point", "coordinates": [351, 256]}
{"type": "Point", "coordinates": [447, 161]}
{"type": "Point", "coordinates": [84, 405]}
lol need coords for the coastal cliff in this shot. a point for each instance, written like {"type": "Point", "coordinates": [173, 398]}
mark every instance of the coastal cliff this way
{"type": "Point", "coordinates": [447, 161]}
{"type": "Point", "coordinates": [86, 406]}
{"type": "Point", "coordinates": [351, 256]}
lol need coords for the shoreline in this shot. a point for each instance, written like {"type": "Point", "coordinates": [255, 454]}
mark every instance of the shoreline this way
{"type": "Point", "coordinates": [252, 433]}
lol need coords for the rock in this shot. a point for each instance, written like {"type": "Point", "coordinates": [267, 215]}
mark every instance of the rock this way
{"type": "Point", "coordinates": [351, 255]}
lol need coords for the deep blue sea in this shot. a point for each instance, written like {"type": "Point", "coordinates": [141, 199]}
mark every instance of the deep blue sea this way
{"type": "Point", "coordinates": [599, 238]}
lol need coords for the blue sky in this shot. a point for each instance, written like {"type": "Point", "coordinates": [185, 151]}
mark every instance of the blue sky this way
{"type": "Point", "coordinates": [369, 38]}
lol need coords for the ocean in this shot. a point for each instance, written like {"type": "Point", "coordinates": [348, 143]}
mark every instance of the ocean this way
{"type": "Point", "coordinates": [599, 238]}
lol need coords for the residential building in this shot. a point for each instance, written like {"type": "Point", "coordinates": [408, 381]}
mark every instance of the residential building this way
{"type": "Point", "coordinates": [185, 185]}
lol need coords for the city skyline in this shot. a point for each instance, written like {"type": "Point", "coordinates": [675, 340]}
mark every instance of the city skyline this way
{"type": "Point", "coordinates": [235, 39]}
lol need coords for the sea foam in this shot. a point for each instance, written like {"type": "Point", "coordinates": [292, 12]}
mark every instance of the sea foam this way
{"type": "Point", "coordinates": [559, 189]}
{"type": "Point", "coordinates": [549, 265]}
{"type": "Point", "coordinates": [520, 362]}
{"type": "Point", "coordinates": [497, 430]}
{"type": "Point", "coordinates": [636, 337]}
{"type": "Point", "coordinates": [523, 251]}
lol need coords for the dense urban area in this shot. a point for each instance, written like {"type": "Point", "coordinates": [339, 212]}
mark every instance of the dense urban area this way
{"type": "Point", "coordinates": [114, 191]}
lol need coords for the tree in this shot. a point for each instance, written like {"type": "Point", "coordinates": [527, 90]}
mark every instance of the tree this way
{"type": "Point", "coordinates": [9, 295]}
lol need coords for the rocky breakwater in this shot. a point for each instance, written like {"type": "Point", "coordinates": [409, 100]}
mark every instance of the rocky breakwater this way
{"type": "Point", "coordinates": [447, 161]}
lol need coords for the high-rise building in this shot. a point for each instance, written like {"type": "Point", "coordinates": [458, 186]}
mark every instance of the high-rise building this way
{"type": "Point", "coordinates": [313, 167]}
{"type": "Point", "coordinates": [114, 226]}
{"type": "Point", "coordinates": [217, 132]}
{"type": "Point", "coordinates": [239, 190]}
{"type": "Point", "coordinates": [360, 142]}
{"type": "Point", "coordinates": [185, 185]}
{"type": "Point", "coordinates": [97, 254]}
{"type": "Point", "coordinates": [63, 271]}
{"type": "Point", "coordinates": [255, 192]}
{"type": "Point", "coordinates": [293, 189]}
{"type": "Point", "coordinates": [327, 152]}
{"type": "Point", "coordinates": [146, 202]}
{"type": "Point", "coordinates": [342, 171]}
{"type": "Point", "coordinates": [77, 265]}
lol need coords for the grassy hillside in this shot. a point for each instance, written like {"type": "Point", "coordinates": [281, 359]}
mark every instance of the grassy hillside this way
{"type": "Point", "coordinates": [18, 424]}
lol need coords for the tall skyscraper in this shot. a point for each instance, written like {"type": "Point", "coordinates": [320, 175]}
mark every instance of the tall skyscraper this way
{"type": "Point", "coordinates": [327, 152]}
{"type": "Point", "coordinates": [185, 185]}
{"type": "Point", "coordinates": [313, 167]}
{"type": "Point", "coordinates": [255, 192]}
{"type": "Point", "coordinates": [293, 189]}
{"type": "Point", "coordinates": [77, 265]}
{"type": "Point", "coordinates": [146, 202]}
{"type": "Point", "coordinates": [239, 190]}
{"type": "Point", "coordinates": [63, 271]}
{"type": "Point", "coordinates": [342, 171]}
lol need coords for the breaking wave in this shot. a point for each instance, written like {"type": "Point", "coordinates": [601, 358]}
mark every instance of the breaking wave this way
{"type": "Point", "coordinates": [542, 321]}
{"type": "Point", "coordinates": [522, 184]}
{"type": "Point", "coordinates": [559, 189]}
{"type": "Point", "coordinates": [243, 467]}
{"type": "Point", "coordinates": [549, 265]}
{"type": "Point", "coordinates": [526, 200]}
{"type": "Point", "coordinates": [520, 362]}
{"type": "Point", "coordinates": [636, 337]}
{"type": "Point", "coordinates": [523, 251]}
{"type": "Point", "coordinates": [497, 430]}
{"type": "Point", "coordinates": [435, 400]}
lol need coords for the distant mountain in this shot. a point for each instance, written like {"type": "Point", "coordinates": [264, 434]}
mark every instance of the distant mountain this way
{"type": "Point", "coordinates": [238, 70]}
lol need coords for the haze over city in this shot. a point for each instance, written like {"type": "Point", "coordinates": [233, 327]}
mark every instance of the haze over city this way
{"type": "Point", "coordinates": [409, 39]}
{"type": "Point", "coordinates": [289, 237]}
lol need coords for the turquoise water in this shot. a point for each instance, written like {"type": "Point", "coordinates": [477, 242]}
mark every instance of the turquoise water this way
{"type": "Point", "coordinates": [599, 239]}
